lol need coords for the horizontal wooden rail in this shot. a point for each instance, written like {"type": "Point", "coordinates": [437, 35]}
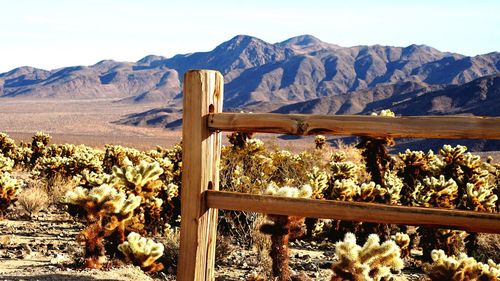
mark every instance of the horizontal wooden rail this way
{"type": "Point", "coordinates": [449, 127]}
{"type": "Point", "coordinates": [355, 211]}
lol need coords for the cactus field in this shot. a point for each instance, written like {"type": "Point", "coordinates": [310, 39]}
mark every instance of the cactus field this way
{"type": "Point", "coordinates": [76, 212]}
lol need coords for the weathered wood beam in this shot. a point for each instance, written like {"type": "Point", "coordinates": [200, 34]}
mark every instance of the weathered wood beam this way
{"type": "Point", "coordinates": [355, 211]}
{"type": "Point", "coordinates": [450, 127]}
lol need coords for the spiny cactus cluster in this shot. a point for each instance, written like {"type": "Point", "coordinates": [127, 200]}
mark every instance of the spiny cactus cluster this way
{"type": "Point", "coordinates": [9, 188]}
{"type": "Point", "coordinates": [6, 164]}
{"type": "Point", "coordinates": [372, 261]}
{"type": "Point", "coordinates": [320, 141]}
{"type": "Point", "coordinates": [451, 178]}
{"type": "Point", "coordinates": [142, 252]}
{"type": "Point", "coordinates": [106, 210]}
{"type": "Point", "coordinates": [461, 268]}
{"type": "Point", "coordinates": [283, 228]}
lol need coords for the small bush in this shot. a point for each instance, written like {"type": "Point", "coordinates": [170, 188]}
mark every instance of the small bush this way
{"type": "Point", "coordinates": [32, 200]}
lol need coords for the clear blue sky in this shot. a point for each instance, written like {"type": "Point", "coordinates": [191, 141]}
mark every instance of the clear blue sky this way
{"type": "Point", "coordinates": [55, 33]}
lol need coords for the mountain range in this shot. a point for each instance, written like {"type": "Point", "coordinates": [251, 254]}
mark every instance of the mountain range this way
{"type": "Point", "coordinates": [299, 75]}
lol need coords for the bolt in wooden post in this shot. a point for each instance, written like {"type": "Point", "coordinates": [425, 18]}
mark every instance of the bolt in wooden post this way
{"type": "Point", "coordinates": [203, 94]}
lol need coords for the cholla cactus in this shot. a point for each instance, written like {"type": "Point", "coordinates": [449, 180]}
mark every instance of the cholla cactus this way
{"type": "Point", "coordinates": [403, 241]}
{"type": "Point", "coordinates": [375, 153]}
{"type": "Point", "coordinates": [318, 180]}
{"type": "Point", "coordinates": [436, 192]}
{"type": "Point", "coordinates": [142, 180]}
{"type": "Point", "coordinates": [480, 198]}
{"type": "Point", "coordinates": [68, 161]}
{"type": "Point", "coordinates": [7, 146]}
{"type": "Point", "coordinates": [39, 146]}
{"type": "Point", "coordinates": [394, 186]}
{"type": "Point", "coordinates": [142, 252]}
{"type": "Point", "coordinates": [461, 268]}
{"type": "Point", "coordinates": [90, 180]}
{"type": "Point", "coordinates": [373, 261]}
{"type": "Point", "coordinates": [282, 228]}
{"type": "Point", "coordinates": [9, 187]}
{"type": "Point", "coordinates": [345, 190]}
{"type": "Point", "coordinates": [287, 191]}
{"type": "Point", "coordinates": [372, 192]}
{"type": "Point", "coordinates": [320, 141]}
{"type": "Point", "coordinates": [344, 170]}
{"type": "Point", "coordinates": [106, 211]}
{"type": "Point", "coordinates": [6, 163]}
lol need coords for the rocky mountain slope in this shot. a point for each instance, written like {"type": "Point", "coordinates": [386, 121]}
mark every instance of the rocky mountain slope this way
{"type": "Point", "coordinates": [478, 97]}
{"type": "Point", "coordinates": [256, 73]}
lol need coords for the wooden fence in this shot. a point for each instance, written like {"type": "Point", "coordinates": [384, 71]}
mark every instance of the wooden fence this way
{"type": "Point", "coordinates": [201, 136]}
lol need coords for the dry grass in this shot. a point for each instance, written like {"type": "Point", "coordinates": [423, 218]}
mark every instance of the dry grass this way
{"type": "Point", "coordinates": [261, 245]}
{"type": "Point", "coordinates": [33, 199]}
{"type": "Point", "coordinates": [489, 247]}
{"type": "Point", "coordinates": [57, 187]}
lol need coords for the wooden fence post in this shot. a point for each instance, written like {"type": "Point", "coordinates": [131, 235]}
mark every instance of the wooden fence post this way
{"type": "Point", "coordinates": [203, 94]}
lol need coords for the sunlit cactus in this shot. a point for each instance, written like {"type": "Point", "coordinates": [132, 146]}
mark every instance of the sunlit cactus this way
{"type": "Point", "coordinates": [142, 252]}
{"type": "Point", "coordinates": [90, 180]}
{"type": "Point", "coordinates": [142, 179]}
{"type": "Point", "coordinates": [436, 192]}
{"type": "Point", "coordinates": [403, 241]}
{"type": "Point", "coordinates": [461, 268]}
{"type": "Point", "coordinates": [344, 190]}
{"type": "Point", "coordinates": [394, 186]}
{"type": "Point", "coordinates": [63, 150]}
{"type": "Point", "coordinates": [39, 145]}
{"type": "Point", "coordinates": [372, 261]}
{"type": "Point", "coordinates": [339, 156]}
{"type": "Point", "coordinates": [116, 155]}
{"type": "Point", "coordinates": [344, 170]}
{"type": "Point", "coordinates": [6, 163]}
{"type": "Point", "coordinates": [318, 180]}
{"type": "Point", "coordinates": [106, 210]}
{"type": "Point", "coordinates": [481, 198]}
{"type": "Point", "coordinates": [9, 188]}
{"type": "Point", "coordinates": [320, 141]}
{"type": "Point", "coordinates": [375, 153]}
{"type": "Point", "coordinates": [452, 154]}
{"type": "Point", "coordinates": [8, 146]}
{"type": "Point", "coordinates": [372, 192]}
{"type": "Point", "coordinates": [282, 228]}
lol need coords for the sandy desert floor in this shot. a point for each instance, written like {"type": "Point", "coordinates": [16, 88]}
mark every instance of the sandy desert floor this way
{"type": "Point", "coordinates": [80, 122]}
{"type": "Point", "coordinates": [90, 122]}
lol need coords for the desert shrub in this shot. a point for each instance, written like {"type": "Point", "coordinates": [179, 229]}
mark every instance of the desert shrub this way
{"type": "Point", "coordinates": [32, 200]}
{"type": "Point", "coordinates": [372, 261]}
{"type": "Point", "coordinates": [171, 244]}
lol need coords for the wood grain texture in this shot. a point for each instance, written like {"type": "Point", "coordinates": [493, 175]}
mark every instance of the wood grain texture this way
{"type": "Point", "coordinates": [203, 93]}
{"type": "Point", "coordinates": [451, 127]}
{"type": "Point", "coordinates": [355, 211]}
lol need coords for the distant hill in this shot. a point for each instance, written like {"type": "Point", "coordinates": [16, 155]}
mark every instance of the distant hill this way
{"type": "Point", "coordinates": [478, 97]}
{"type": "Point", "coordinates": [257, 74]}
